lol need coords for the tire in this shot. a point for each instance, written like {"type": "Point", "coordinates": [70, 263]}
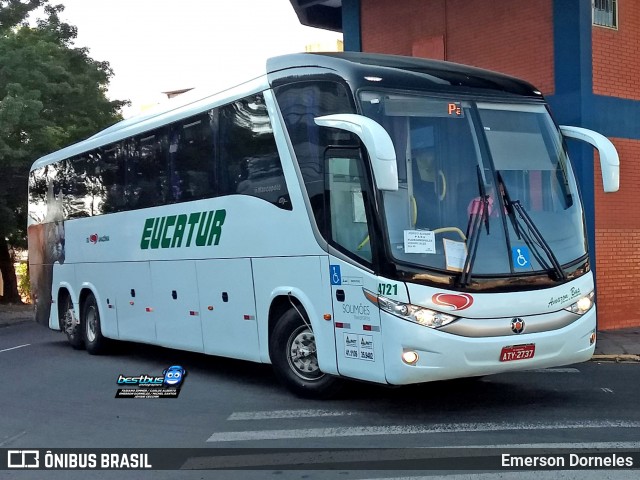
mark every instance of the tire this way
{"type": "Point", "coordinates": [94, 341]}
{"type": "Point", "coordinates": [299, 373]}
{"type": "Point", "coordinates": [70, 326]}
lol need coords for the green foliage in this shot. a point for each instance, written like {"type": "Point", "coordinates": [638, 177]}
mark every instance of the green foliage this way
{"type": "Point", "coordinates": [14, 12]}
{"type": "Point", "coordinates": [52, 94]}
{"type": "Point", "coordinates": [24, 285]}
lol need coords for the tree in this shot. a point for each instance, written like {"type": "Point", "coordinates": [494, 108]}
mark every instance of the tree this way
{"type": "Point", "coordinates": [52, 94]}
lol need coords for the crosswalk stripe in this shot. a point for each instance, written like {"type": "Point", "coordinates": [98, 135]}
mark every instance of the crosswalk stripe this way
{"type": "Point", "coordinates": [410, 430]}
{"type": "Point", "coordinates": [279, 414]}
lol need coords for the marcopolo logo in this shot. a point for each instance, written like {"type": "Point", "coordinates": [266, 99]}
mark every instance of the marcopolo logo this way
{"type": "Point", "coordinates": [174, 231]}
{"type": "Point", "coordinates": [453, 301]}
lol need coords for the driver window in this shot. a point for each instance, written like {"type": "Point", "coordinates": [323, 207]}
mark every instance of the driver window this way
{"type": "Point", "coordinates": [344, 184]}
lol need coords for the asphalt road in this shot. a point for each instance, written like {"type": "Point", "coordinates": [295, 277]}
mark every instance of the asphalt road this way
{"type": "Point", "coordinates": [55, 397]}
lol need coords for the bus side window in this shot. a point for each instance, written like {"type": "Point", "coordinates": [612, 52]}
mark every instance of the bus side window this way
{"type": "Point", "coordinates": [78, 186]}
{"type": "Point", "coordinates": [150, 170]}
{"type": "Point", "coordinates": [191, 159]}
{"type": "Point", "coordinates": [112, 174]}
{"type": "Point", "coordinates": [345, 187]}
{"type": "Point", "coordinates": [300, 103]}
{"type": "Point", "coordinates": [248, 156]}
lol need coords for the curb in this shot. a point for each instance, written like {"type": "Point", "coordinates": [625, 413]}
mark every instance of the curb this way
{"type": "Point", "coordinates": [19, 321]}
{"type": "Point", "coordinates": [616, 358]}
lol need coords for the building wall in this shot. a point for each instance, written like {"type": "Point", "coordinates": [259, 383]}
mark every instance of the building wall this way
{"type": "Point", "coordinates": [618, 242]}
{"type": "Point", "coordinates": [616, 54]}
{"type": "Point", "coordinates": [519, 41]}
{"type": "Point", "coordinates": [517, 38]}
{"type": "Point", "coordinates": [616, 68]}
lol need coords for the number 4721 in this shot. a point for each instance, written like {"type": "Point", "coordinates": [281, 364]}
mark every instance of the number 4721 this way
{"type": "Point", "coordinates": [387, 289]}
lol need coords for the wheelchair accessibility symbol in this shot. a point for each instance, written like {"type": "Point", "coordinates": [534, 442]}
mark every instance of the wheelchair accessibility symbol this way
{"type": "Point", "coordinates": [336, 276]}
{"type": "Point", "coordinates": [520, 256]}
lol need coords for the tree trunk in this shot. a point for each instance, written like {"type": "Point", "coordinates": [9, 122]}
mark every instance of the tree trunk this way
{"type": "Point", "coordinates": [9, 279]}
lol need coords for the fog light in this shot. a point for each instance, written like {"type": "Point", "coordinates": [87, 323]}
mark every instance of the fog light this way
{"type": "Point", "coordinates": [409, 357]}
{"type": "Point", "coordinates": [592, 338]}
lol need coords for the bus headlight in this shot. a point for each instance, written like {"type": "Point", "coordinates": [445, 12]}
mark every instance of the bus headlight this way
{"type": "Point", "coordinates": [412, 313]}
{"type": "Point", "coordinates": [583, 305]}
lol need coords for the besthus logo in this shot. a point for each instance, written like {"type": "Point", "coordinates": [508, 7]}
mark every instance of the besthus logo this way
{"type": "Point", "coordinates": [174, 231]}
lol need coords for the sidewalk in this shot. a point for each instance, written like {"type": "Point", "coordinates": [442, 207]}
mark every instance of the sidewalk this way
{"type": "Point", "coordinates": [611, 345]}
{"type": "Point", "coordinates": [13, 314]}
{"type": "Point", "coordinates": [618, 345]}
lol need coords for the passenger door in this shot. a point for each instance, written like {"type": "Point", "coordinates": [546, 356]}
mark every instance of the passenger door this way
{"type": "Point", "coordinates": [356, 319]}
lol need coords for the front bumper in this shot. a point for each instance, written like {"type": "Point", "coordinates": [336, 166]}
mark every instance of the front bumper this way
{"type": "Point", "coordinates": [445, 356]}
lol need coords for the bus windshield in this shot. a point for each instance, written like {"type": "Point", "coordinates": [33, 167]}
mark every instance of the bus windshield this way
{"type": "Point", "coordinates": [484, 186]}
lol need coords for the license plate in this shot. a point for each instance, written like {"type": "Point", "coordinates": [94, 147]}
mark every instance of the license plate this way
{"type": "Point", "coordinates": [517, 352]}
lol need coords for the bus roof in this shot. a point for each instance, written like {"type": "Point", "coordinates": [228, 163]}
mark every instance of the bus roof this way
{"type": "Point", "coordinates": [424, 74]}
{"type": "Point", "coordinates": [179, 107]}
{"type": "Point", "coordinates": [354, 66]}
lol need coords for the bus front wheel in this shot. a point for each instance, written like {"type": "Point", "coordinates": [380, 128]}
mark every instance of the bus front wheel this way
{"type": "Point", "coordinates": [93, 339]}
{"type": "Point", "coordinates": [292, 348]}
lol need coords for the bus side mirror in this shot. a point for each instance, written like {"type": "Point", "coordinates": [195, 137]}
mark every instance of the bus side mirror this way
{"type": "Point", "coordinates": [375, 139]}
{"type": "Point", "coordinates": [609, 160]}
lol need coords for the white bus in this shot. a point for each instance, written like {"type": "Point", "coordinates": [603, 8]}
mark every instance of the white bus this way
{"type": "Point", "coordinates": [381, 218]}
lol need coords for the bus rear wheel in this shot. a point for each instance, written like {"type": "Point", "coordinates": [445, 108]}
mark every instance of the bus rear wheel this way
{"type": "Point", "coordinates": [292, 348]}
{"type": "Point", "coordinates": [70, 325]}
{"type": "Point", "coordinates": [94, 342]}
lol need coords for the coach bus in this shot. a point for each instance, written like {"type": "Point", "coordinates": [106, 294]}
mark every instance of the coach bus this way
{"type": "Point", "coordinates": [381, 218]}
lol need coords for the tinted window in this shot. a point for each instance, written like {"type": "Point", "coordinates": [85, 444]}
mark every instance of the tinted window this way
{"type": "Point", "coordinates": [191, 159]}
{"type": "Point", "coordinates": [300, 103]}
{"type": "Point", "coordinates": [147, 169]}
{"type": "Point", "coordinates": [79, 185]}
{"type": "Point", "coordinates": [225, 151]}
{"type": "Point", "coordinates": [112, 177]}
{"type": "Point", "coordinates": [248, 158]}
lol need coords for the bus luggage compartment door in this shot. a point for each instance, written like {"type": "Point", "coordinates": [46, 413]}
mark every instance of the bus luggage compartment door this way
{"type": "Point", "coordinates": [132, 282]}
{"type": "Point", "coordinates": [228, 306]}
{"type": "Point", "coordinates": [176, 298]}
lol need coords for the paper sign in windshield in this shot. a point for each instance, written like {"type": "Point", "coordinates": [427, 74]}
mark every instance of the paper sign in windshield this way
{"type": "Point", "coordinates": [455, 254]}
{"type": "Point", "coordinates": [419, 241]}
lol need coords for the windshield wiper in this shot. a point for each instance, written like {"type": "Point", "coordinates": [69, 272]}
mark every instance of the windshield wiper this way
{"type": "Point", "coordinates": [473, 230]}
{"type": "Point", "coordinates": [513, 207]}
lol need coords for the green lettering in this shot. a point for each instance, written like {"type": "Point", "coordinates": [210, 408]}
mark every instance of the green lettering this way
{"type": "Point", "coordinates": [146, 233]}
{"type": "Point", "coordinates": [157, 232]}
{"type": "Point", "coordinates": [178, 233]}
{"type": "Point", "coordinates": [193, 219]}
{"type": "Point", "coordinates": [216, 228]}
{"type": "Point", "coordinates": [203, 233]}
{"type": "Point", "coordinates": [166, 242]}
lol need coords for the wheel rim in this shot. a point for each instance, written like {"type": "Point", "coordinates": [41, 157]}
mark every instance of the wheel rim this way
{"type": "Point", "coordinates": [68, 320]}
{"type": "Point", "coordinates": [91, 320]}
{"type": "Point", "coordinates": [302, 355]}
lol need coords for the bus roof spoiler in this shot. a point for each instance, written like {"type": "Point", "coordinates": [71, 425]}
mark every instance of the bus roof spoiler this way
{"type": "Point", "coordinates": [375, 139]}
{"type": "Point", "coordinates": [609, 159]}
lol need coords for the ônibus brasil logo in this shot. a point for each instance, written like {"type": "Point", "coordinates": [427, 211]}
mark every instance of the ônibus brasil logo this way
{"type": "Point", "coordinates": [454, 301]}
{"type": "Point", "coordinates": [174, 231]}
